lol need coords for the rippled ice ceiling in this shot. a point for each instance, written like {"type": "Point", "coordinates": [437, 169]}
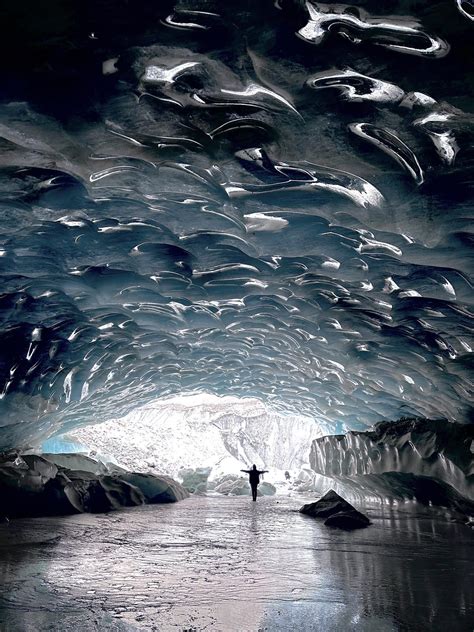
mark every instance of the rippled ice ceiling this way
{"type": "Point", "coordinates": [242, 198]}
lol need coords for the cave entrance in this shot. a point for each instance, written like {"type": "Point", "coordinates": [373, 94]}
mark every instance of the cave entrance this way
{"type": "Point", "coordinates": [212, 436]}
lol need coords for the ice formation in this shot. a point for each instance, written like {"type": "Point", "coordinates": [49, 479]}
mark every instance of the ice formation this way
{"type": "Point", "coordinates": [223, 434]}
{"type": "Point", "coordinates": [432, 448]}
{"type": "Point", "coordinates": [430, 461]}
{"type": "Point", "coordinates": [268, 201]}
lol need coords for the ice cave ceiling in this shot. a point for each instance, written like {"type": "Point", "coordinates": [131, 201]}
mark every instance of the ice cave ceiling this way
{"type": "Point", "coordinates": [269, 199]}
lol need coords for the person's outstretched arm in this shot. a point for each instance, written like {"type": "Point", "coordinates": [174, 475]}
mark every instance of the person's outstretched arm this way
{"type": "Point", "coordinates": [246, 471]}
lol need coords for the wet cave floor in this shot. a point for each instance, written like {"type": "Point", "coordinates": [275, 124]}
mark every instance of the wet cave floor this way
{"type": "Point", "coordinates": [225, 563]}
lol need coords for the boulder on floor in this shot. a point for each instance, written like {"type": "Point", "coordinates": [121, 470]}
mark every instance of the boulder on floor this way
{"type": "Point", "coordinates": [337, 511]}
{"type": "Point", "coordinates": [348, 520]}
{"type": "Point", "coordinates": [326, 506]}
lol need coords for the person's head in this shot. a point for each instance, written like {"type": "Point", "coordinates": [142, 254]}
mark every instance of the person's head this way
{"type": "Point", "coordinates": [254, 467]}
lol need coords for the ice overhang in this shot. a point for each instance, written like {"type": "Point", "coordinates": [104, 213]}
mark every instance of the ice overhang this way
{"type": "Point", "coordinates": [253, 224]}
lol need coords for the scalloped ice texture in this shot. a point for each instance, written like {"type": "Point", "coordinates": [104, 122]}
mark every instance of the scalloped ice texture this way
{"type": "Point", "coordinates": [428, 448]}
{"type": "Point", "coordinates": [268, 200]}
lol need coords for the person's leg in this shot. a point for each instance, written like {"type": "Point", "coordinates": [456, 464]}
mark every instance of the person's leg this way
{"type": "Point", "coordinates": [254, 492]}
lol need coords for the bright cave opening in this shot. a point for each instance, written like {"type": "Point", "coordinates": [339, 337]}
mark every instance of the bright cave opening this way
{"type": "Point", "coordinates": [201, 433]}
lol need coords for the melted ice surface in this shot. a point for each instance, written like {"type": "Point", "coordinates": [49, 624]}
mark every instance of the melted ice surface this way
{"type": "Point", "coordinates": [230, 564]}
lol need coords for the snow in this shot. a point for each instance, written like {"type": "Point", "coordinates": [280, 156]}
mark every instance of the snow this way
{"type": "Point", "coordinates": [226, 434]}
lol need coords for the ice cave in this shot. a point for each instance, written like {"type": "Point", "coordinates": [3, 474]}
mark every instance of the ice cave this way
{"type": "Point", "coordinates": [236, 316]}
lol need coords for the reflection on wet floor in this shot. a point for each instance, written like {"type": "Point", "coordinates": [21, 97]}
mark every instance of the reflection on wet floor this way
{"type": "Point", "coordinates": [226, 564]}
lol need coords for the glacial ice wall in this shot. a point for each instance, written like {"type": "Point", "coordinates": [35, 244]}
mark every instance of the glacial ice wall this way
{"type": "Point", "coordinates": [189, 432]}
{"type": "Point", "coordinates": [260, 199]}
{"type": "Point", "coordinates": [430, 448]}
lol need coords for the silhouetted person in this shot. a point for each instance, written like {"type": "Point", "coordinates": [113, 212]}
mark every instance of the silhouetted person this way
{"type": "Point", "coordinates": [254, 479]}
{"type": "Point", "coordinates": [287, 475]}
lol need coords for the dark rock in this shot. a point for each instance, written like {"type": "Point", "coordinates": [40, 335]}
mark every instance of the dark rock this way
{"type": "Point", "coordinates": [337, 511]}
{"type": "Point", "coordinates": [33, 486]}
{"type": "Point", "coordinates": [93, 498]}
{"type": "Point", "coordinates": [331, 503]}
{"type": "Point", "coordinates": [348, 520]}
{"type": "Point", "coordinates": [78, 492]}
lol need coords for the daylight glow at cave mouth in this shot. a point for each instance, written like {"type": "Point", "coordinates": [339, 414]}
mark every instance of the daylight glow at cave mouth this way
{"type": "Point", "coordinates": [198, 430]}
